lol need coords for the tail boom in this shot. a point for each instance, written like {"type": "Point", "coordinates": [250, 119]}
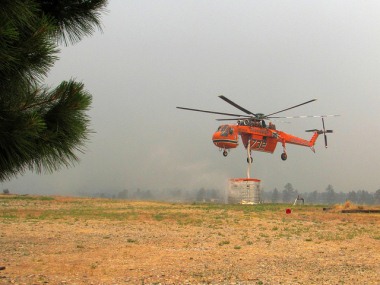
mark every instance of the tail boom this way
{"type": "Point", "coordinates": [289, 139]}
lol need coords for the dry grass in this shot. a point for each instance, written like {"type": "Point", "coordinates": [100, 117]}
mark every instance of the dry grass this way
{"type": "Point", "coordinates": [348, 205]}
{"type": "Point", "coordinates": [60, 240]}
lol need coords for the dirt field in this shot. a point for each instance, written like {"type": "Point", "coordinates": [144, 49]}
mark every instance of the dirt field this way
{"type": "Point", "coordinates": [57, 240]}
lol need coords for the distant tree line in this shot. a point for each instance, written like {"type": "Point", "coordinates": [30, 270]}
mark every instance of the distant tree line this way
{"type": "Point", "coordinates": [170, 195]}
{"type": "Point", "coordinates": [288, 195]}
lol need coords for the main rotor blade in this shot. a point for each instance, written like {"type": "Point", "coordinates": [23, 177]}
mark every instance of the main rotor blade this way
{"type": "Point", "coordinates": [211, 112]}
{"type": "Point", "coordinates": [230, 119]}
{"type": "Point", "coordinates": [304, 116]}
{"type": "Point", "coordinates": [292, 107]}
{"type": "Point", "coordinates": [236, 105]}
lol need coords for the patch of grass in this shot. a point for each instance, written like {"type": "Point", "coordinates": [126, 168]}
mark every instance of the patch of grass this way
{"type": "Point", "coordinates": [26, 197]}
{"type": "Point", "coordinates": [158, 217]}
{"type": "Point", "coordinates": [330, 236]}
{"type": "Point", "coordinates": [88, 213]}
{"type": "Point", "coordinates": [224, 242]}
{"type": "Point", "coordinates": [284, 235]}
{"type": "Point", "coordinates": [8, 215]}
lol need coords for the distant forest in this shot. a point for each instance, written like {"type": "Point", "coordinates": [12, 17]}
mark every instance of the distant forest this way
{"type": "Point", "coordinates": [286, 195]}
{"type": "Point", "coordinates": [329, 196]}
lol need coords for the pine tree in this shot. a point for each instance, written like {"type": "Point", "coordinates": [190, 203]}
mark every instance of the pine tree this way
{"type": "Point", "coordinates": [288, 193]}
{"type": "Point", "coordinates": [275, 196]}
{"type": "Point", "coordinates": [41, 128]}
{"type": "Point", "coordinates": [351, 196]}
{"type": "Point", "coordinates": [376, 197]}
{"type": "Point", "coordinates": [330, 196]}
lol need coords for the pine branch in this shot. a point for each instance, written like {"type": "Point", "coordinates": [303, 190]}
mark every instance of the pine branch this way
{"type": "Point", "coordinates": [74, 19]}
{"type": "Point", "coordinates": [41, 130]}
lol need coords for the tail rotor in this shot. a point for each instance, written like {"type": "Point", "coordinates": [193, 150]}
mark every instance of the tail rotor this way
{"type": "Point", "coordinates": [323, 131]}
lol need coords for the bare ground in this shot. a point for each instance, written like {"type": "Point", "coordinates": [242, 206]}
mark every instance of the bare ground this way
{"type": "Point", "coordinates": [57, 240]}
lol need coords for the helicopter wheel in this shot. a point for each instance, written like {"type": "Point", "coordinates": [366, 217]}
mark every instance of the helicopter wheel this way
{"type": "Point", "coordinates": [249, 158]}
{"type": "Point", "coordinates": [225, 153]}
{"type": "Point", "coordinates": [284, 156]}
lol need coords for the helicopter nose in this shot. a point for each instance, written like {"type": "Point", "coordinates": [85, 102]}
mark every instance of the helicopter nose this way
{"type": "Point", "coordinates": [217, 140]}
{"type": "Point", "coordinates": [225, 142]}
{"type": "Point", "coordinates": [216, 137]}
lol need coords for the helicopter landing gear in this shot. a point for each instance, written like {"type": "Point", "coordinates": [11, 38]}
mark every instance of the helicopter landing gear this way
{"type": "Point", "coordinates": [284, 156]}
{"type": "Point", "coordinates": [225, 153]}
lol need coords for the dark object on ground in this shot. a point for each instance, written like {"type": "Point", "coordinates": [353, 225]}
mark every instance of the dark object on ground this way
{"type": "Point", "coordinates": [361, 211]}
{"type": "Point", "coordinates": [2, 267]}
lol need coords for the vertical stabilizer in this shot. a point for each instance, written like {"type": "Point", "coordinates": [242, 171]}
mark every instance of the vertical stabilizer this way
{"type": "Point", "coordinates": [313, 138]}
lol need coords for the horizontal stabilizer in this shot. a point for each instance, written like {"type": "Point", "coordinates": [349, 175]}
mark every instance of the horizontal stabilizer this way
{"type": "Point", "coordinates": [320, 131]}
{"type": "Point", "coordinates": [312, 131]}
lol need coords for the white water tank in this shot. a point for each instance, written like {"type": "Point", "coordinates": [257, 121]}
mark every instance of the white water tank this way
{"type": "Point", "coordinates": [243, 191]}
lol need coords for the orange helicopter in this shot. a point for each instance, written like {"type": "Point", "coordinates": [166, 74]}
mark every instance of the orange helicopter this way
{"type": "Point", "coordinates": [256, 134]}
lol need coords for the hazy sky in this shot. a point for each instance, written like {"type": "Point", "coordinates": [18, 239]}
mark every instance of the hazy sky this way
{"type": "Point", "coordinates": [264, 55]}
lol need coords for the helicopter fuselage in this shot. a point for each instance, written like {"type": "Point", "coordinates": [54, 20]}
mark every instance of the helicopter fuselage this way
{"type": "Point", "coordinates": [257, 138]}
{"type": "Point", "coordinates": [256, 135]}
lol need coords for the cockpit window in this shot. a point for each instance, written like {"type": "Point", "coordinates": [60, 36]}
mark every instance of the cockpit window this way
{"type": "Point", "coordinates": [222, 128]}
{"type": "Point", "coordinates": [226, 131]}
